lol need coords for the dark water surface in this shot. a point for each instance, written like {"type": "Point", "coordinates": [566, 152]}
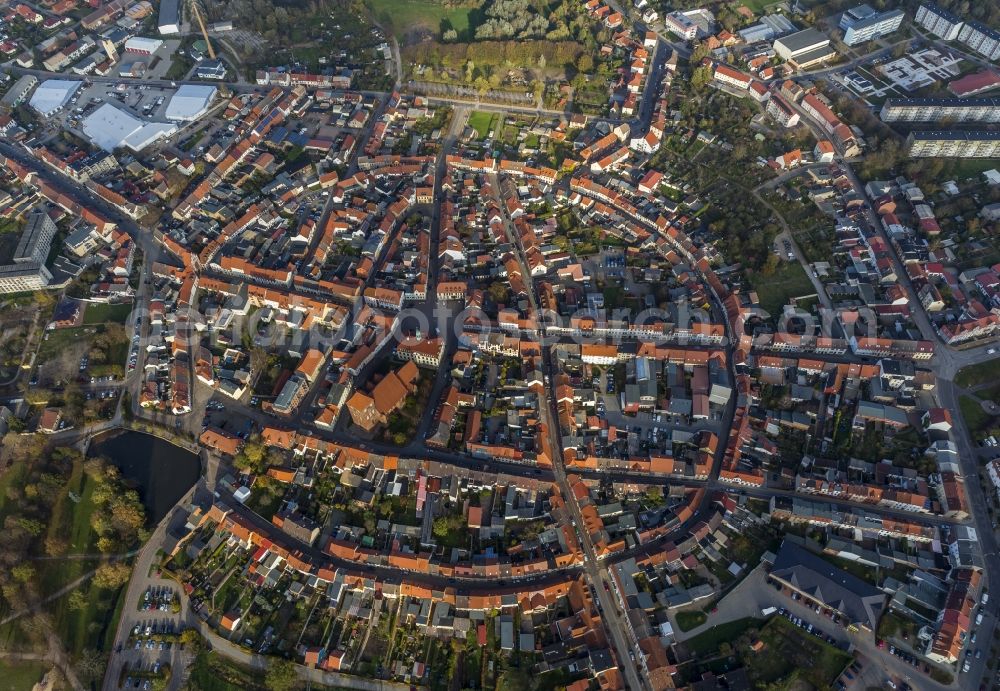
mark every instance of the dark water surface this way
{"type": "Point", "coordinates": [160, 471]}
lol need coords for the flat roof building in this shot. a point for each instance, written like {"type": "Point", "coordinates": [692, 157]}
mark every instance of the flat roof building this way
{"type": "Point", "coordinates": [52, 95]}
{"type": "Point", "coordinates": [169, 21]}
{"type": "Point", "coordinates": [804, 48]}
{"type": "Point", "coordinates": [981, 38]}
{"type": "Point", "coordinates": [862, 23]}
{"type": "Point", "coordinates": [954, 144]}
{"type": "Point", "coordinates": [22, 266]}
{"type": "Point", "coordinates": [190, 102]}
{"type": "Point", "coordinates": [938, 21]}
{"type": "Point", "coordinates": [981, 110]}
{"type": "Point", "coordinates": [35, 240]}
{"type": "Point", "coordinates": [111, 128]}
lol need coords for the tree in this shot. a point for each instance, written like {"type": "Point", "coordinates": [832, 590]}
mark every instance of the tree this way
{"type": "Point", "coordinates": [701, 76]}
{"type": "Point", "coordinates": [77, 601]}
{"type": "Point", "coordinates": [25, 573]}
{"type": "Point", "coordinates": [585, 63]}
{"type": "Point", "coordinates": [91, 664]}
{"type": "Point", "coordinates": [282, 675]}
{"type": "Point", "coordinates": [190, 637]}
{"type": "Point", "coordinates": [111, 576]}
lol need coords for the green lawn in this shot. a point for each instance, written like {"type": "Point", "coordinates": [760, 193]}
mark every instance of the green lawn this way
{"type": "Point", "coordinates": [980, 373]}
{"type": "Point", "coordinates": [71, 521]}
{"type": "Point", "coordinates": [707, 643]}
{"type": "Point", "coordinates": [21, 676]}
{"type": "Point", "coordinates": [976, 419]}
{"type": "Point", "coordinates": [690, 620]}
{"type": "Point", "coordinates": [405, 15]}
{"type": "Point", "coordinates": [99, 313]}
{"type": "Point", "coordinates": [482, 123]}
{"type": "Point", "coordinates": [789, 280]}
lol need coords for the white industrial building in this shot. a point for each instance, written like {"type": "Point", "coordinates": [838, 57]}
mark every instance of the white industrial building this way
{"type": "Point", "coordinates": [190, 102]}
{"type": "Point", "coordinates": [142, 45]}
{"type": "Point", "coordinates": [111, 128]}
{"type": "Point", "coordinates": [52, 95]}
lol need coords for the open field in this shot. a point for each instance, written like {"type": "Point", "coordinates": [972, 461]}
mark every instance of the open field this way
{"type": "Point", "coordinates": [404, 16]}
{"type": "Point", "coordinates": [99, 313]}
{"type": "Point", "coordinates": [21, 675]}
{"type": "Point", "coordinates": [482, 123]}
{"type": "Point", "coordinates": [789, 280]}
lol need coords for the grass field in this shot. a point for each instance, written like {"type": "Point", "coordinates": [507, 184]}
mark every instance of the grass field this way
{"type": "Point", "coordinates": [21, 676]}
{"type": "Point", "coordinates": [708, 643]}
{"type": "Point", "coordinates": [976, 419]}
{"type": "Point", "coordinates": [405, 15]}
{"type": "Point", "coordinates": [71, 521]}
{"type": "Point", "coordinates": [789, 649]}
{"type": "Point", "coordinates": [482, 123]}
{"type": "Point", "coordinates": [788, 281]}
{"type": "Point", "coordinates": [689, 620]}
{"type": "Point", "coordinates": [99, 313]}
{"type": "Point", "coordinates": [981, 373]}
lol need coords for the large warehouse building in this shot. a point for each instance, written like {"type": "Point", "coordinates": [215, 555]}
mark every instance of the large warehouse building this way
{"type": "Point", "coordinates": [190, 102]}
{"type": "Point", "coordinates": [111, 128]}
{"type": "Point", "coordinates": [805, 48]}
{"type": "Point", "coordinates": [52, 95]}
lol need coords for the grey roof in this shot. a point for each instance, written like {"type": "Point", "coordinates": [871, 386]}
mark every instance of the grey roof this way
{"type": "Point", "coordinates": [859, 601]}
{"type": "Point", "coordinates": [801, 40]}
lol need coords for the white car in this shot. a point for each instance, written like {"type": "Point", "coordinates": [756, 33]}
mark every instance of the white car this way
{"type": "Point", "coordinates": [991, 351]}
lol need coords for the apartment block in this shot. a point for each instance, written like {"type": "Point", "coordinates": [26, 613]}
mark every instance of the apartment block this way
{"type": "Point", "coordinates": [985, 110]}
{"type": "Point", "coordinates": [954, 144]}
{"type": "Point", "coordinates": [981, 39]}
{"type": "Point", "coordinates": [862, 23]}
{"type": "Point", "coordinates": [939, 22]}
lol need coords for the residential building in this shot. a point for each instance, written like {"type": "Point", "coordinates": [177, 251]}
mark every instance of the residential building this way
{"type": "Point", "coordinates": [939, 22]}
{"type": "Point", "coordinates": [980, 110]}
{"type": "Point", "coordinates": [954, 144]}
{"type": "Point", "coordinates": [682, 25]}
{"type": "Point", "coordinates": [863, 23]}
{"type": "Point", "coordinates": [24, 269]}
{"type": "Point", "coordinates": [779, 109]}
{"type": "Point", "coordinates": [981, 38]}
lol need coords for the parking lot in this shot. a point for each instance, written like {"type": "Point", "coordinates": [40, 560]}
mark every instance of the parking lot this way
{"type": "Point", "coordinates": [151, 649]}
{"type": "Point", "coordinates": [142, 100]}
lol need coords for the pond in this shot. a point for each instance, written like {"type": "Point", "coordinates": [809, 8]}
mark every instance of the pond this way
{"type": "Point", "coordinates": [160, 471]}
